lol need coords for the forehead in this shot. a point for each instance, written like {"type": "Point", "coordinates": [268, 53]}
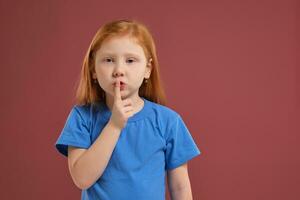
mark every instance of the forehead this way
{"type": "Point", "coordinates": [120, 46]}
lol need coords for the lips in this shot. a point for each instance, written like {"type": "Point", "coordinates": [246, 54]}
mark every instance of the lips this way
{"type": "Point", "coordinates": [121, 83]}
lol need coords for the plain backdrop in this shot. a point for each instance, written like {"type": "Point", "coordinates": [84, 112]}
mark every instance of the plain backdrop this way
{"type": "Point", "coordinates": [230, 68]}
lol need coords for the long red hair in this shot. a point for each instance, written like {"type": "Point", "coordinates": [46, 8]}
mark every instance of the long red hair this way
{"type": "Point", "coordinates": [88, 92]}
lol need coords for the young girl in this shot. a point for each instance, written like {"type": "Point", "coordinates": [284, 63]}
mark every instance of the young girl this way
{"type": "Point", "coordinates": [120, 138]}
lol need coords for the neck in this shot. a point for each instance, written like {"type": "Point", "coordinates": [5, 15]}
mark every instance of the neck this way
{"type": "Point", "coordinates": [137, 103]}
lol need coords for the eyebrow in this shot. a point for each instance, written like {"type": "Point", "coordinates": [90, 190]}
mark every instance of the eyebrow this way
{"type": "Point", "coordinates": [125, 54]}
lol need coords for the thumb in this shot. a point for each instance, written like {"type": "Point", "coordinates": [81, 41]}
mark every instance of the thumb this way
{"type": "Point", "coordinates": [117, 93]}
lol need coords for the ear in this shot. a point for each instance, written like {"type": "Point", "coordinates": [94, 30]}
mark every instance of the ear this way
{"type": "Point", "coordinates": [149, 68]}
{"type": "Point", "coordinates": [148, 71]}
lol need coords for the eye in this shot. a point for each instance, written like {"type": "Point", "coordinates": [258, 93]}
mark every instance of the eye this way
{"type": "Point", "coordinates": [107, 59]}
{"type": "Point", "coordinates": [131, 60]}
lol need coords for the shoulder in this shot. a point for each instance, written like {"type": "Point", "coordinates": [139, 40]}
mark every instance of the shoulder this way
{"type": "Point", "coordinates": [165, 111]}
{"type": "Point", "coordinates": [82, 112]}
{"type": "Point", "coordinates": [166, 116]}
{"type": "Point", "coordinates": [82, 109]}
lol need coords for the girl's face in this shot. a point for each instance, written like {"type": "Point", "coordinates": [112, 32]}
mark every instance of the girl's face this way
{"type": "Point", "coordinates": [121, 58]}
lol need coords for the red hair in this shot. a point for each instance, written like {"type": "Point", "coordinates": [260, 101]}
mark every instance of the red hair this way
{"type": "Point", "coordinates": [88, 92]}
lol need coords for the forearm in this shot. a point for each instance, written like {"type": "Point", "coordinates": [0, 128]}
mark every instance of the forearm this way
{"type": "Point", "coordinates": [91, 164]}
{"type": "Point", "coordinates": [181, 194]}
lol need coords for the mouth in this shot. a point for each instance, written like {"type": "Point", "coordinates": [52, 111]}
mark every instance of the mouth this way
{"type": "Point", "coordinates": [121, 83]}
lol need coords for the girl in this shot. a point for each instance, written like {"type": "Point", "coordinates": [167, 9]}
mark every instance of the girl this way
{"type": "Point", "coordinates": [121, 138]}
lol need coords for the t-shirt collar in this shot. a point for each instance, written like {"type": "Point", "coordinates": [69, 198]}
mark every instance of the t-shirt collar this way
{"type": "Point", "coordinates": [105, 113]}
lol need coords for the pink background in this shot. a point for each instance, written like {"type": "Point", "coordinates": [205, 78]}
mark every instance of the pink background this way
{"type": "Point", "coordinates": [230, 68]}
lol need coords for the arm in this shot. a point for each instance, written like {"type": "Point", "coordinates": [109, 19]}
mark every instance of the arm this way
{"type": "Point", "coordinates": [87, 165]}
{"type": "Point", "coordinates": [179, 183]}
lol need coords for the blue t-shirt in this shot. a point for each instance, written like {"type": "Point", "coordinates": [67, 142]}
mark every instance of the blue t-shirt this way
{"type": "Point", "coordinates": [155, 139]}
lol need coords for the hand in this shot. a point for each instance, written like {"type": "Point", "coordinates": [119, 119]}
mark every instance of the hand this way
{"type": "Point", "coordinates": [122, 109]}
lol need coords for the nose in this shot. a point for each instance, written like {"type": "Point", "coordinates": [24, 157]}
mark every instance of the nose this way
{"type": "Point", "coordinates": [118, 70]}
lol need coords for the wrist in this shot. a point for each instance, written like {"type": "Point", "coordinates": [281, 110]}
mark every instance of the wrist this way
{"type": "Point", "coordinates": [114, 126]}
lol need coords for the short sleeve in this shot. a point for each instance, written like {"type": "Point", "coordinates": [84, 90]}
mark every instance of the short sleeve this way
{"type": "Point", "coordinates": [75, 131]}
{"type": "Point", "coordinates": [180, 146]}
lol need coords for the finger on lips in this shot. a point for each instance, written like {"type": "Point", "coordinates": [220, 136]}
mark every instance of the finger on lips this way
{"type": "Point", "coordinates": [117, 90]}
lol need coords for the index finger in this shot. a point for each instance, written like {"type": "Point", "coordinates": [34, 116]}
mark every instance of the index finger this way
{"type": "Point", "coordinates": [117, 93]}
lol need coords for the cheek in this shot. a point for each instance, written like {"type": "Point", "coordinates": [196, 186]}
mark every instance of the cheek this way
{"type": "Point", "coordinates": [99, 70]}
{"type": "Point", "coordinates": [101, 73]}
{"type": "Point", "coordinates": [138, 81]}
{"type": "Point", "coordinates": [102, 78]}
{"type": "Point", "coordinates": [105, 85]}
